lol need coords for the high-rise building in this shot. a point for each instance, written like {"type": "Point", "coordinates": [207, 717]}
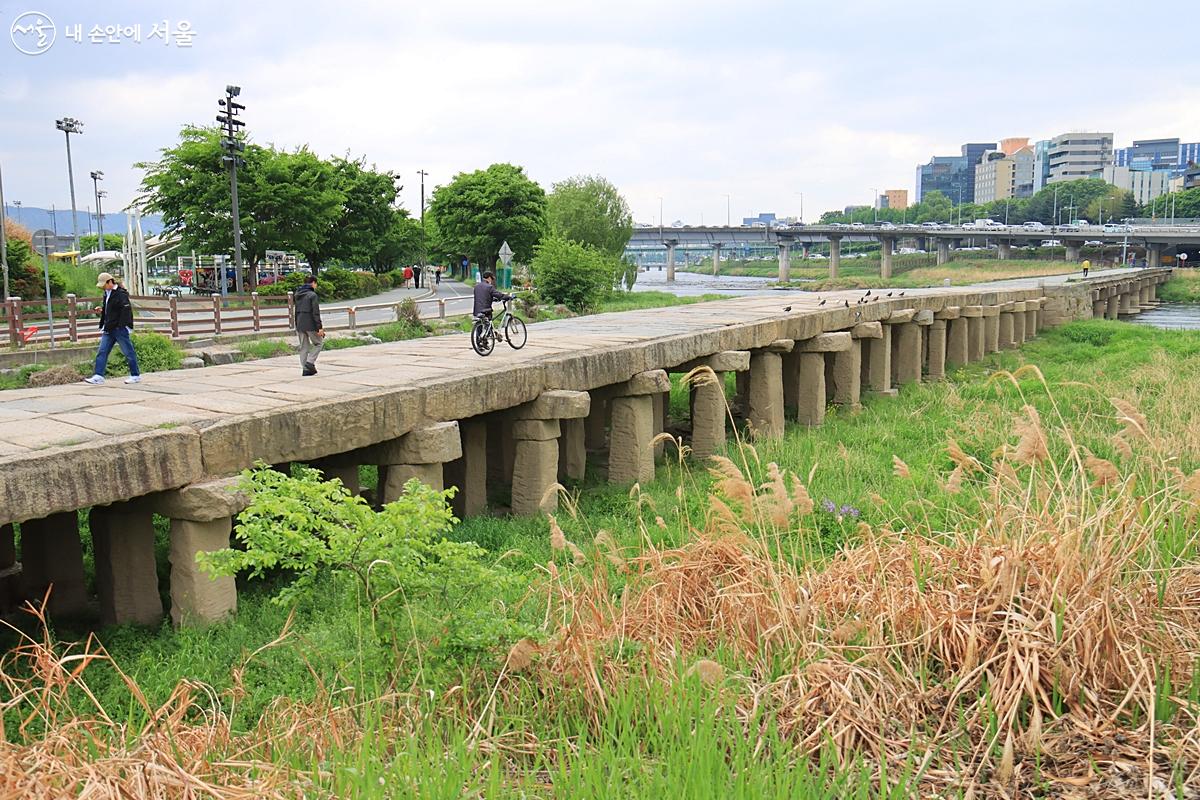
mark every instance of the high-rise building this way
{"type": "Point", "coordinates": [1041, 164]}
{"type": "Point", "coordinates": [1012, 144]}
{"type": "Point", "coordinates": [1000, 175]}
{"type": "Point", "coordinates": [1146, 184]}
{"type": "Point", "coordinates": [894, 198]}
{"type": "Point", "coordinates": [953, 176]}
{"type": "Point", "coordinates": [1150, 154]}
{"type": "Point", "coordinates": [1079, 155]}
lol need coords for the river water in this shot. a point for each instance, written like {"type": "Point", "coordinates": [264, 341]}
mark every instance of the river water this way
{"type": "Point", "coordinates": [1173, 316]}
{"type": "Point", "coordinates": [690, 284]}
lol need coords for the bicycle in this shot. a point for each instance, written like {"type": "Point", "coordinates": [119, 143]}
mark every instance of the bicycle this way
{"type": "Point", "coordinates": [509, 327]}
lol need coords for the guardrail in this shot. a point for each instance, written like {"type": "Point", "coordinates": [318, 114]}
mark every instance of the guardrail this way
{"type": "Point", "coordinates": [74, 318]}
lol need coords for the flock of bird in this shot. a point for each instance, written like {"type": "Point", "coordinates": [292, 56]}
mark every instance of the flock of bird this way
{"type": "Point", "coordinates": [861, 301]}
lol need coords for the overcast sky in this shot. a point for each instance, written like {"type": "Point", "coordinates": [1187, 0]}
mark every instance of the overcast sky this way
{"type": "Point", "coordinates": [687, 101]}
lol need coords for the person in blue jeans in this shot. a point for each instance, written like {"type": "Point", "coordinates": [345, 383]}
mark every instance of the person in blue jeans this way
{"type": "Point", "coordinates": [116, 322]}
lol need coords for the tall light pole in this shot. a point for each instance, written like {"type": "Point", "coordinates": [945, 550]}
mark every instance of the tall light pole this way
{"type": "Point", "coordinates": [69, 125]}
{"type": "Point", "coordinates": [18, 204]}
{"type": "Point", "coordinates": [3, 239]}
{"type": "Point", "coordinates": [97, 176]}
{"type": "Point", "coordinates": [875, 202]}
{"type": "Point", "coordinates": [422, 173]}
{"type": "Point", "coordinates": [727, 220]}
{"type": "Point", "coordinates": [227, 116]}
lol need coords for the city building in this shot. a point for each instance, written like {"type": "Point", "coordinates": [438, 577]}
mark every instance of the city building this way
{"type": "Point", "coordinates": [1041, 164]}
{"type": "Point", "coordinates": [1002, 175]}
{"type": "Point", "coordinates": [1013, 144]}
{"type": "Point", "coordinates": [894, 198]}
{"type": "Point", "coordinates": [1146, 184]}
{"type": "Point", "coordinates": [953, 176]}
{"type": "Point", "coordinates": [1165, 154]}
{"type": "Point", "coordinates": [766, 219]}
{"type": "Point", "coordinates": [1082, 154]}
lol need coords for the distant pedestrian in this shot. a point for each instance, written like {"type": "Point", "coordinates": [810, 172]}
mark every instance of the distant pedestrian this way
{"type": "Point", "coordinates": [309, 329]}
{"type": "Point", "coordinates": [417, 276]}
{"type": "Point", "coordinates": [1086, 266]}
{"type": "Point", "coordinates": [437, 276]}
{"type": "Point", "coordinates": [116, 322]}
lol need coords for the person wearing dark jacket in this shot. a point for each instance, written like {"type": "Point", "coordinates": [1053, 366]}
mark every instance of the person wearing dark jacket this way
{"type": "Point", "coordinates": [309, 328]}
{"type": "Point", "coordinates": [486, 293]}
{"type": "Point", "coordinates": [116, 322]}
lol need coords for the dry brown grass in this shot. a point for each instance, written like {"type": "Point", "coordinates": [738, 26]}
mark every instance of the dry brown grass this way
{"type": "Point", "coordinates": [1030, 647]}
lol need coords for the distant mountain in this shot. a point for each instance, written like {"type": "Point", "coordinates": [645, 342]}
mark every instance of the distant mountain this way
{"type": "Point", "coordinates": [60, 221]}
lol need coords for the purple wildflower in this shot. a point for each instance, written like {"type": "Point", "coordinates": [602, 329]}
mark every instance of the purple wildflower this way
{"type": "Point", "coordinates": [829, 505]}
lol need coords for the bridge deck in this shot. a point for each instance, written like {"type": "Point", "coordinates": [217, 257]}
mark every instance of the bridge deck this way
{"type": "Point", "coordinates": [69, 447]}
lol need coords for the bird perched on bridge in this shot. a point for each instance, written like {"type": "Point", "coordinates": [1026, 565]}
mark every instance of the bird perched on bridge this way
{"type": "Point", "coordinates": [847, 304]}
{"type": "Point", "coordinates": [901, 294]}
{"type": "Point", "coordinates": [868, 294]}
{"type": "Point", "coordinates": [889, 294]}
{"type": "Point", "coordinates": [822, 302]}
{"type": "Point", "coordinates": [787, 308]}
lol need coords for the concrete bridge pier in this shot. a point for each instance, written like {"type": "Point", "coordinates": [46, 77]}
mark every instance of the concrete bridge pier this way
{"type": "Point", "coordinates": [886, 245]}
{"type": "Point", "coordinates": [716, 258]}
{"type": "Point", "coordinates": [785, 260]}
{"type": "Point", "coordinates": [991, 328]}
{"type": "Point", "coordinates": [764, 402]}
{"type": "Point", "coordinates": [52, 556]}
{"type": "Point", "coordinates": [1099, 304]}
{"type": "Point", "coordinates": [710, 411]}
{"type": "Point", "coordinates": [935, 353]}
{"type": "Point", "coordinates": [976, 340]}
{"type": "Point", "coordinates": [630, 450]}
{"type": "Point", "coordinates": [835, 255]}
{"type": "Point", "coordinates": [1154, 255]}
{"type": "Point", "coordinates": [1073, 249]}
{"type": "Point", "coordinates": [943, 251]}
{"type": "Point", "coordinates": [671, 244]}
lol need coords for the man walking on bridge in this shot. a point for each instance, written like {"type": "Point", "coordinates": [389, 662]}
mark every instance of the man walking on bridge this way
{"type": "Point", "coordinates": [309, 328]}
{"type": "Point", "coordinates": [116, 321]}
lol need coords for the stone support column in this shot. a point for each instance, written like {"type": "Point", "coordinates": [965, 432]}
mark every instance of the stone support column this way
{"type": "Point", "coordinates": [906, 347]}
{"type": "Point", "coordinates": [630, 452]}
{"type": "Point", "coordinates": [1031, 318]}
{"type": "Point", "coordinates": [991, 328]}
{"type": "Point", "coordinates": [418, 454]}
{"type": "Point", "coordinates": [709, 409]}
{"type": "Point", "coordinates": [877, 357]}
{"type": "Point", "coordinates": [1112, 302]}
{"type": "Point", "coordinates": [935, 359]}
{"type": "Point", "coordinates": [958, 338]}
{"type": "Point", "coordinates": [536, 431]}
{"type": "Point", "coordinates": [886, 245]}
{"type": "Point", "coordinates": [976, 340]}
{"type": "Point", "coordinates": [52, 556]}
{"type": "Point", "coordinates": [596, 424]}
{"type": "Point", "coordinates": [1099, 304]}
{"type": "Point", "coordinates": [126, 574]}
{"type": "Point", "coordinates": [572, 452]}
{"type": "Point", "coordinates": [1019, 323]}
{"type": "Point", "coordinates": [835, 255]}
{"type": "Point", "coordinates": [1127, 307]}
{"type": "Point", "coordinates": [943, 251]}
{"type": "Point", "coordinates": [811, 388]}
{"type": "Point", "coordinates": [469, 473]}
{"type": "Point", "coordinates": [764, 410]}
{"type": "Point", "coordinates": [343, 467]}
{"type": "Point", "coordinates": [1007, 342]}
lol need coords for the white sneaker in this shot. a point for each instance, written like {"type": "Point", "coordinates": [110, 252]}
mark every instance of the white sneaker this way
{"type": "Point", "coordinates": [95, 380]}
{"type": "Point", "coordinates": [134, 379]}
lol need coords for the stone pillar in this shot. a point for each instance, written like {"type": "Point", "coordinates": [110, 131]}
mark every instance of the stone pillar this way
{"type": "Point", "coordinates": [201, 521]}
{"type": "Point", "coordinates": [943, 251]}
{"type": "Point", "coordinates": [1154, 255]}
{"type": "Point", "coordinates": [1019, 323]}
{"type": "Point", "coordinates": [1154, 291]}
{"type": "Point", "coordinates": [847, 374]}
{"type": "Point", "coordinates": [630, 453]}
{"type": "Point", "coordinates": [906, 348]}
{"type": "Point", "coordinates": [835, 255]}
{"type": "Point", "coordinates": [1031, 318]}
{"type": "Point", "coordinates": [8, 546]}
{"type": "Point", "coordinates": [671, 243]}
{"type": "Point", "coordinates": [709, 409]}
{"type": "Point", "coordinates": [764, 410]}
{"type": "Point", "coordinates": [886, 244]}
{"type": "Point", "coordinates": [469, 473]}
{"type": "Point", "coordinates": [785, 260]}
{"type": "Point", "coordinates": [716, 258]}
{"type": "Point", "coordinates": [572, 452]}
{"type": "Point", "coordinates": [1004, 250]}
{"type": "Point", "coordinates": [976, 341]}
{"type": "Point", "coordinates": [811, 387]}
{"type": "Point", "coordinates": [878, 360]}
{"type": "Point", "coordinates": [1099, 304]}
{"type": "Point", "coordinates": [419, 454]}
{"type": "Point", "coordinates": [1126, 307]}
{"type": "Point", "coordinates": [52, 556]}
{"type": "Point", "coordinates": [936, 354]}
{"type": "Point", "coordinates": [958, 338]}
{"type": "Point", "coordinates": [741, 393]}
{"type": "Point", "coordinates": [12, 585]}
{"type": "Point", "coordinates": [1006, 327]}
{"type": "Point", "coordinates": [536, 430]}
{"type": "Point", "coordinates": [126, 574]}
{"type": "Point", "coordinates": [865, 335]}
{"type": "Point", "coordinates": [596, 425]}
{"type": "Point", "coordinates": [1112, 303]}
{"type": "Point", "coordinates": [344, 468]}
{"type": "Point", "coordinates": [1072, 251]}
{"type": "Point", "coordinates": [991, 328]}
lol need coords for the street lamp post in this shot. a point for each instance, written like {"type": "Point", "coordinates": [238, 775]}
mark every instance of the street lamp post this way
{"type": "Point", "coordinates": [227, 116]}
{"type": "Point", "coordinates": [97, 176]}
{"type": "Point", "coordinates": [423, 173]}
{"type": "Point", "coordinates": [727, 220]}
{"type": "Point", "coordinates": [3, 239]}
{"type": "Point", "coordinates": [875, 202]}
{"type": "Point", "coordinates": [69, 125]}
{"type": "Point", "coordinates": [18, 204]}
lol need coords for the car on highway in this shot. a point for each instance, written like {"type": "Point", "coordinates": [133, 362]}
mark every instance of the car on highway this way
{"type": "Point", "coordinates": [837, 225]}
{"type": "Point", "coordinates": [857, 225]}
{"type": "Point", "coordinates": [1113, 227]}
{"type": "Point", "coordinates": [1033, 225]}
{"type": "Point", "coordinates": [1093, 243]}
{"type": "Point", "coordinates": [1071, 228]}
{"type": "Point", "coordinates": [968, 226]}
{"type": "Point", "coordinates": [931, 225]}
{"type": "Point", "coordinates": [1051, 243]}
{"type": "Point", "coordinates": [887, 226]}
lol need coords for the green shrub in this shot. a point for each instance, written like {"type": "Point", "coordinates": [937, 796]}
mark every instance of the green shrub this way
{"type": "Point", "coordinates": [399, 331]}
{"type": "Point", "coordinates": [573, 274]}
{"type": "Point", "coordinates": [395, 278]}
{"type": "Point", "coordinates": [155, 353]}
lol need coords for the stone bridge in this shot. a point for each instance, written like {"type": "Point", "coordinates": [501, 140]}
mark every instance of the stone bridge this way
{"type": "Point", "coordinates": [433, 410]}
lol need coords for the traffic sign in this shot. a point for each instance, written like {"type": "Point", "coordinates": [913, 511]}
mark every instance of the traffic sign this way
{"type": "Point", "coordinates": [44, 241]}
{"type": "Point", "coordinates": [1183, 256]}
{"type": "Point", "coordinates": [506, 253]}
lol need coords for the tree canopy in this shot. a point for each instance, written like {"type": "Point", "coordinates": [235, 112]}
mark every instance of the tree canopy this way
{"type": "Point", "coordinates": [590, 210]}
{"type": "Point", "coordinates": [478, 211]}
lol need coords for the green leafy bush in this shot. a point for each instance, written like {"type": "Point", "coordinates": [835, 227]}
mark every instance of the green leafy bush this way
{"type": "Point", "coordinates": [578, 276]}
{"type": "Point", "coordinates": [415, 582]}
{"type": "Point", "coordinates": [155, 353]}
{"type": "Point", "coordinates": [399, 331]}
{"type": "Point", "coordinates": [395, 278]}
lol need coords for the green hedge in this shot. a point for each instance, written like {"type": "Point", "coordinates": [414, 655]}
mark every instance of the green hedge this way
{"type": "Point", "coordinates": [155, 353]}
{"type": "Point", "coordinates": [333, 283]}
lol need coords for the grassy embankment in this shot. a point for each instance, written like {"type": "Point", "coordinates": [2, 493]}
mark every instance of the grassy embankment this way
{"type": "Point", "coordinates": [944, 593]}
{"type": "Point", "coordinates": [1183, 287]}
{"type": "Point", "coordinates": [907, 270]}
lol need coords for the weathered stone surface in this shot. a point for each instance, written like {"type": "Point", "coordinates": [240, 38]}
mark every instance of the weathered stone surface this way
{"type": "Point", "coordinates": [52, 556]}
{"type": "Point", "coordinates": [469, 473]}
{"type": "Point", "coordinates": [596, 425]}
{"type": "Point", "coordinates": [196, 598]}
{"type": "Point", "coordinates": [924, 316]}
{"type": "Point", "coordinates": [1007, 342]}
{"type": "Point", "coordinates": [900, 316]}
{"type": "Point", "coordinates": [780, 346]}
{"type": "Point", "coordinates": [709, 413]}
{"type": "Point", "coordinates": [878, 360]}
{"type": "Point", "coordinates": [431, 444]}
{"type": "Point", "coordinates": [971, 311]}
{"type": "Point", "coordinates": [191, 362]}
{"type": "Point", "coordinates": [126, 575]}
{"type": "Point", "coordinates": [957, 342]}
{"type": "Point", "coordinates": [540, 430]}
{"type": "Point", "coordinates": [991, 311]}
{"type": "Point", "coordinates": [653, 381]}
{"type": "Point", "coordinates": [810, 393]}
{"type": "Point", "coordinates": [906, 353]}
{"type": "Point", "coordinates": [572, 450]}
{"type": "Point", "coordinates": [847, 375]}
{"type": "Point", "coordinates": [991, 331]}
{"type": "Point", "coordinates": [826, 343]}
{"type": "Point", "coordinates": [725, 361]}
{"type": "Point", "coordinates": [867, 330]}
{"type": "Point", "coordinates": [304, 432]}
{"type": "Point", "coordinates": [976, 345]}
{"type": "Point", "coordinates": [200, 501]}
{"type": "Point", "coordinates": [217, 356]}
{"type": "Point", "coordinates": [556, 404]}
{"type": "Point", "coordinates": [949, 312]}
{"type": "Point", "coordinates": [630, 457]}
{"type": "Point", "coordinates": [936, 355]}
{"type": "Point", "coordinates": [399, 474]}
{"type": "Point", "coordinates": [37, 484]}
{"type": "Point", "coordinates": [346, 473]}
{"type": "Point", "coordinates": [477, 391]}
{"type": "Point", "coordinates": [765, 401]}
{"type": "Point", "coordinates": [535, 471]}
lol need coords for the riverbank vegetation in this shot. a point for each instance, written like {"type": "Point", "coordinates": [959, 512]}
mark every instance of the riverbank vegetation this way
{"type": "Point", "coordinates": [907, 271]}
{"type": "Point", "coordinates": [985, 587]}
{"type": "Point", "coordinates": [1183, 287]}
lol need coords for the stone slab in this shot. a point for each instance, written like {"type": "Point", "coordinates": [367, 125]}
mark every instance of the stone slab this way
{"type": "Point", "coordinates": [644, 383]}
{"type": "Point", "coordinates": [725, 361]}
{"type": "Point", "coordinates": [900, 316]}
{"type": "Point", "coordinates": [556, 404]}
{"type": "Point", "coordinates": [826, 343]}
{"type": "Point", "coordinates": [867, 330]}
{"type": "Point", "coordinates": [200, 502]}
{"type": "Point", "coordinates": [431, 444]}
{"type": "Point", "coordinates": [538, 430]}
{"type": "Point", "coordinates": [949, 312]}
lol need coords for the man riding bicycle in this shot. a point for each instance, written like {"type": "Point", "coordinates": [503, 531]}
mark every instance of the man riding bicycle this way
{"type": "Point", "coordinates": [486, 293]}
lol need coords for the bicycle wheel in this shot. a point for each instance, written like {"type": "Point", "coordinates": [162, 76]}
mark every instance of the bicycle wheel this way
{"type": "Point", "coordinates": [515, 333]}
{"type": "Point", "coordinates": [481, 339]}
